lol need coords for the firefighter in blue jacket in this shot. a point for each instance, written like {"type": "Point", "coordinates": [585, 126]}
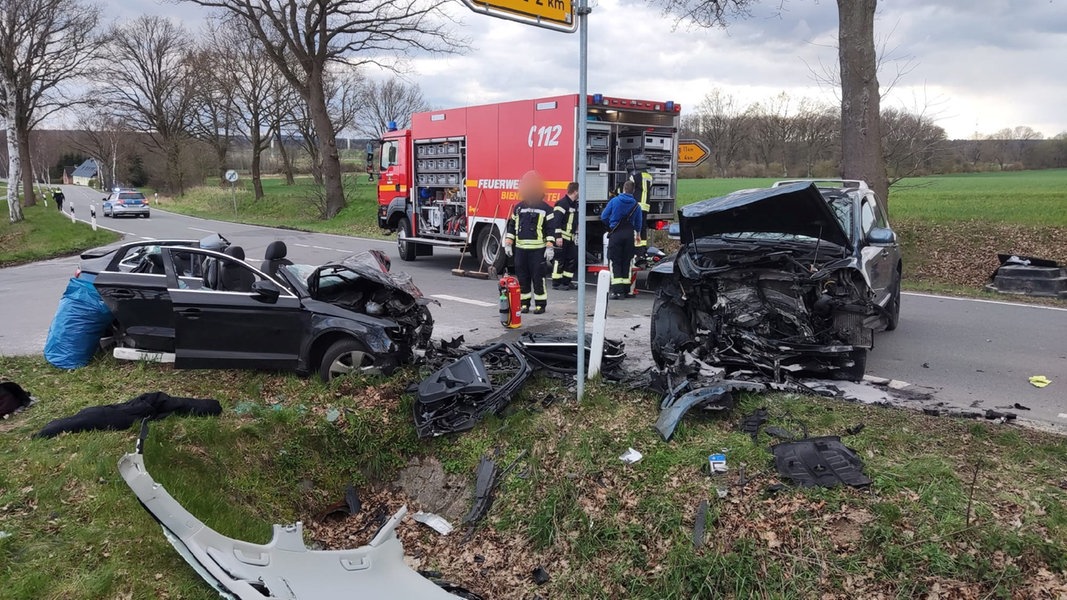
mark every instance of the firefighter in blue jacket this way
{"type": "Point", "coordinates": [531, 239]}
{"type": "Point", "coordinates": [624, 217]}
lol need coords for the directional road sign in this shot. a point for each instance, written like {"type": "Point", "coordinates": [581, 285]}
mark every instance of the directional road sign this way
{"type": "Point", "coordinates": [692, 152]}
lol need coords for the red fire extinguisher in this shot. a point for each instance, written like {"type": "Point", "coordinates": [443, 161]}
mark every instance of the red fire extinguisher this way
{"type": "Point", "coordinates": [510, 302]}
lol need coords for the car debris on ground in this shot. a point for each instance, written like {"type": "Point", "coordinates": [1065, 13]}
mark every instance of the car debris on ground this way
{"type": "Point", "coordinates": [1028, 276]}
{"type": "Point", "coordinates": [435, 522]}
{"type": "Point", "coordinates": [820, 461]}
{"type": "Point", "coordinates": [13, 398]}
{"type": "Point", "coordinates": [1040, 381]}
{"type": "Point", "coordinates": [631, 456]}
{"type": "Point", "coordinates": [284, 568]}
{"type": "Point", "coordinates": [116, 417]}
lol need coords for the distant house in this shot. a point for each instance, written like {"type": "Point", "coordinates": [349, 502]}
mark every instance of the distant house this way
{"type": "Point", "coordinates": [85, 173]}
{"type": "Point", "coordinates": [68, 175]}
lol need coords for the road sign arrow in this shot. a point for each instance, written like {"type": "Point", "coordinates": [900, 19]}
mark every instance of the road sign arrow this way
{"type": "Point", "coordinates": [692, 152]}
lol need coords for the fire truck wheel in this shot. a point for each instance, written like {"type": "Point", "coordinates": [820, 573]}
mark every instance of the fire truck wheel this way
{"type": "Point", "coordinates": [491, 250]}
{"type": "Point", "coordinates": [405, 248]}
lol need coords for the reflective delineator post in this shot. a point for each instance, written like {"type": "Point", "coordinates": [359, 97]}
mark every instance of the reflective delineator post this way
{"type": "Point", "coordinates": [600, 322]}
{"type": "Point", "coordinates": [92, 216]}
{"type": "Point", "coordinates": [72, 212]}
{"type": "Point", "coordinates": [583, 119]}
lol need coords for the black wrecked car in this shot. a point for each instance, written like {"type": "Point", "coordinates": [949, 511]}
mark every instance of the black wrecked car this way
{"type": "Point", "coordinates": [204, 309]}
{"type": "Point", "coordinates": [139, 255]}
{"type": "Point", "coordinates": [792, 278]}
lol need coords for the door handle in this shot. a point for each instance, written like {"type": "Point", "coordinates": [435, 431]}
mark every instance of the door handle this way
{"type": "Point", "coordinates": [190, 313]}
{"type": "Point", "coordinates": [122, 294]}
{"type": "Point", "coordinates": [885, 253]}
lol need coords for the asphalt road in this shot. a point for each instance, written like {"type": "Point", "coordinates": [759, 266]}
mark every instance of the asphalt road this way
{"type": "Point", "coordinates": [969, 353]}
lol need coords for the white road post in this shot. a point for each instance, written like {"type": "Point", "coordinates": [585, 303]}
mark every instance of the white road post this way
{"type": "Point", "coordinates": [583, 118]}
{"type": "Point", "coordinates": [600, 318]}
{"type": "Point", "coordinates": [92, 216]}
{"type": "Point", "coordinates": [72, 219]}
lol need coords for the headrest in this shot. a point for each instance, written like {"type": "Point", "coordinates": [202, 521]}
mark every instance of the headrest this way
{"type": "Point", "coordinates": [275, 250]}
{"type": "Point", "coordinates": [236, 252]}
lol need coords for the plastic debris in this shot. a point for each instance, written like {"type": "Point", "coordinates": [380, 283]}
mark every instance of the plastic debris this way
{"type": "Point", "coordinates": [821, 461]}
{"type": "Point", "coordinates": [435, 522]}
{"type": "Point", "coordinates": [1040, 381]}
{"type": "Point", "coordinates": [332, 415]}
{"type": "Point", "coordinates": [717, 463]}
{"type": "Point", "coordinates": [701, 524]}
{"type": "Point", "coordinates": [540, 576]}
{"type": "Point", "coordinates": [631, 456]}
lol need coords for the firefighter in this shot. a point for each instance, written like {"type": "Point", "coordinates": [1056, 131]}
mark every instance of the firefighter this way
{"type": "Point", "coordinates": [624, 218]}
{"type": "Point", "coordinates": [565, 222]}
{"type": "Point", "coordinates": [642, 181]}
{"type": "Point", "coordinates": [531, 240]}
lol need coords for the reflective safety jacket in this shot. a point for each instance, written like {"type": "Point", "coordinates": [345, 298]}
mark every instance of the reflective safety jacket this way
{"type": "Point", "coordinates": [565, 218]}
{"type": "Point", "coordinates": [642, 187]}
{"type": "Point", "coordinates": [531, 226]}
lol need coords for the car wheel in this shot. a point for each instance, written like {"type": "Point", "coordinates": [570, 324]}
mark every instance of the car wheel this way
{"type": "Point", "coordinates": [405, 248]}
{"type": "Point", "coordinates": [894, 308]}
{"type": "Point", "coordinates": [347, 357]}
{"type": "Point", "coordinates": [491, 250]}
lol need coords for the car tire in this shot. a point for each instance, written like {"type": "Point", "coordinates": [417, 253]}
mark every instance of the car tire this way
{"type": "Point", "coordinates": [894, 308]}
{"type": "Point", "coordinates": [346, 357]}
{"type": "Point", "coordinates": [405, 249]}
{"type": "Point", "coordinates": [491, 250]}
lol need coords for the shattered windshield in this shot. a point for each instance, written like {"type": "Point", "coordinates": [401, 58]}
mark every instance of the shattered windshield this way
{"type": "Point", "coordinates": [841, 205]}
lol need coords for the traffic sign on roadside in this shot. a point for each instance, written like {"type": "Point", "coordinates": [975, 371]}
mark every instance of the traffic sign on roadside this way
{"type": "Point", "coordinates": [557, 15]}
{"type": "Point", "coordinates": [232, 176]}
{"type": "Point", "coordinates": [692, 152]}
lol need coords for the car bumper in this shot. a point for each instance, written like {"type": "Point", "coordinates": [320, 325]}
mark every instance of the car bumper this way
{"type": "Point", "coordinates": [133, 211]}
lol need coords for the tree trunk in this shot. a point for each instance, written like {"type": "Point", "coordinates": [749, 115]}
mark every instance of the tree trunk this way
{"type": "Point", "coordinates": [220, 153]}
{"type": "Point", "coordinates": [861, 135]}
{"type": "Point", "coordinates": [29, 197]}
{"type": "Point", "coordinates": [14, 209]}
{"type": "Point", "coordinates": [287, 163]}
{"type": "Point", "coordinates": [257, 157]}
{"type": "Point", "coordinates": [327, 145]}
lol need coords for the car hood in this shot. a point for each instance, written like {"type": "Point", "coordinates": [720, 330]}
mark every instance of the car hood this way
{"type": "Point", "coordinates": [374, 266]}
{"type": "Point", "coordinates": [794, 209]}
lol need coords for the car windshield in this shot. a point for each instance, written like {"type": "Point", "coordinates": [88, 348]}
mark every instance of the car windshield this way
{"type": "Point", "coordinates": [841, 205]}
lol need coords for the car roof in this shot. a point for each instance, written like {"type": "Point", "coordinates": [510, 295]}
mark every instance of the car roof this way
{"type": "Point", "coordinates": [842, 184]}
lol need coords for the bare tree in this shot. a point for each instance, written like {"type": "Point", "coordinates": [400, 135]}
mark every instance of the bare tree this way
{"type": "Point", "coordinates": [911, 141]}
{"type": "Point", "coordinates": [343, 88]}
{"type": "Point", "coordinates": [722, 125]}
{"type": "Point", "coordinates": [101, 135]}
{"type": "Point", "coordinates": [43, 45]}
{"type": "Point", "coordinates": [817, 128]}
{"type": "Point", "coordinates": [151, 84]}
{"type": "Point", "coordinates": [388, 101]}
{"type": "Point", "coordinates": [303, 37]}
{"type": "Point", "coordinates": [213, 113]}
{"type": "Point", "coordinates": [861, 139]}
{"type": "Point", "coordinates": [772, 129]}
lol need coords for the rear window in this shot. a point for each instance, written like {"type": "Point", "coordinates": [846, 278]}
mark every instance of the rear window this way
{"type": "Point", "coordinates": [131, 196]}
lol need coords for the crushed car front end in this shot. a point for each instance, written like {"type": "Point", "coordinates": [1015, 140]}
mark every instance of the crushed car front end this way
{"type": "Point", "coordinates": [766, 281]}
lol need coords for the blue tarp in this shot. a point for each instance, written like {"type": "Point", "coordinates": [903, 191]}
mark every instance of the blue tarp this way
{"type": "Point", "coordinates": [80, 321]}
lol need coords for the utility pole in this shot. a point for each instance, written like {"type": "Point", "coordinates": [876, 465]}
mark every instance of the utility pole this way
{"type": "Point", "coordinates": [583, 120]}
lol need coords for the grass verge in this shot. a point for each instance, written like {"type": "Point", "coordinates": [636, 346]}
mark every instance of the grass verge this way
{"type": "Point", "coordinates": [45, 233]}
{"type": "Point", "coordinates": [600, 528]}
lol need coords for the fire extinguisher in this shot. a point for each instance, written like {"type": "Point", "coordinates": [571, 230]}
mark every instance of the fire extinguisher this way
{"type": "Point", "coordinates": [510, 302]}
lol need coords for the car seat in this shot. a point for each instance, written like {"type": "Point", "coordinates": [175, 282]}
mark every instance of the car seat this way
{"type": "Point", "coordinates": [275, 258]}
{"type": "Point", "coordinates": [234, 277]}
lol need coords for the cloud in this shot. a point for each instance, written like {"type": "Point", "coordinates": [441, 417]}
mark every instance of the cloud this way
{"type": "Point", "coordinates": [981, 65]}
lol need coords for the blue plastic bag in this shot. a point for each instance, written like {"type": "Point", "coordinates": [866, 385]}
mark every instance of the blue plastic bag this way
{"type": "Point", "coordinates": [80, 322]}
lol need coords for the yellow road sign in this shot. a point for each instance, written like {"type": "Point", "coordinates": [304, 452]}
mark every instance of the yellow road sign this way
{"type": "Point", "coordinates": [550, 14]}
{"type": "Point", "coordinates": [692, 152]}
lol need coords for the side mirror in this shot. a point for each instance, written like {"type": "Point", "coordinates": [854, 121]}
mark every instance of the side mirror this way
{"type": "Point", "coordinates": [881, 236]}
{"type": "Point", "coordinates": [674, 231]}
{"type": "Point", "coordinates": [266, 291]}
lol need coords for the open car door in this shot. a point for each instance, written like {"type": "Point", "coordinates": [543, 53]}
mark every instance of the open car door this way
{"type": "Point", "coordinates": [141, 305]}
{"type": "Point", "coordinates": [242, 320]}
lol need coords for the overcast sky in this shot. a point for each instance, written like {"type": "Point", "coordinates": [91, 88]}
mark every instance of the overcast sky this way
{"type": "Point", "coordinates": [977, 65]}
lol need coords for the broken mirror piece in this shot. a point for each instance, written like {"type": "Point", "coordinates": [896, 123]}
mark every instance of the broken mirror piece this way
{"type": "Point", "coordinates": [820, 461]}
{"type": "Point", "coordinates": [283, 568]}
{"type": "Point", "coordinates": [461, 394]}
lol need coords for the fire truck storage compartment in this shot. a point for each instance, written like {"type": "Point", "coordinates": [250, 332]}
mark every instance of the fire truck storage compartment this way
{"type": "Point", "coordinates": [441, 198]}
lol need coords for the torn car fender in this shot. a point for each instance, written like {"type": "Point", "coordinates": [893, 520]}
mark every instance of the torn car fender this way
{"type": "Point", "coordinates": [716, 397]}
{"type": "Point", "coordinates": [283, 568]}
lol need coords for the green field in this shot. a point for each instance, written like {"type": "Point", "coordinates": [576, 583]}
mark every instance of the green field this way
{"type": "Point", "coordinates": [45, 233]}
{"type": "Point", "coordinates": [600, 528]}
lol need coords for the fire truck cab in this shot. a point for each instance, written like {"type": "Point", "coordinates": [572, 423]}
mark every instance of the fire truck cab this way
{"type": "Point", "coordinates": [451, 179]}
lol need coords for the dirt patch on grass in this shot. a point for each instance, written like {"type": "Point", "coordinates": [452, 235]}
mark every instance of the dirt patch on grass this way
{"type": "Point", "coordinates": [966, 253]}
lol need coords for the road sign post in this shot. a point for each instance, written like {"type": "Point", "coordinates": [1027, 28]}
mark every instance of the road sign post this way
{"type": "Point", "coordinates": [691, 153]}
{"type": "Point", "coordinates": [232, 177]}
{"type": "Point", "coordinates": [560, 15]}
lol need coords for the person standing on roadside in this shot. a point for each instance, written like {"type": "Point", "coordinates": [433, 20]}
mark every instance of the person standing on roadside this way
{"type": "Point", "coordinates": [624, 217]}
{"type": "Point", "coordinates": [530, 239]}
{"type": "Point", "coordinates": [565, 221]}
{"type": "Point", "coordinates": [57, 195]}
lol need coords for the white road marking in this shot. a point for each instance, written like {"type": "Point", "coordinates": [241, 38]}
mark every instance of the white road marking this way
{"type": "Point", "coordinates": [983, 301]}
{"type": "Point", "coordinates": [463, 300]}
{"type": "Point", "coordinates": [202, 230]}
{"type": "Point", "coordinates": [147, 238]}
{"type": "Point", "coordinates": [324, 248]}
{"type": "Point", "coordinates": [1063, 415]}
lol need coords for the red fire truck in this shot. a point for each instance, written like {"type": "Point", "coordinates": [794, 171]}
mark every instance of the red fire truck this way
{"type": "Point", "coordinates": [451, 180]}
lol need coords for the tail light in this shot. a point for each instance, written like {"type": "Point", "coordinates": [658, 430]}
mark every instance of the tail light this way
{"type": "Point", "coordinates": [120, 202]}
{"type": "Point", "coordinates": [660, 225]}
{"type": "Point", "coordinates": [77, 272]}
